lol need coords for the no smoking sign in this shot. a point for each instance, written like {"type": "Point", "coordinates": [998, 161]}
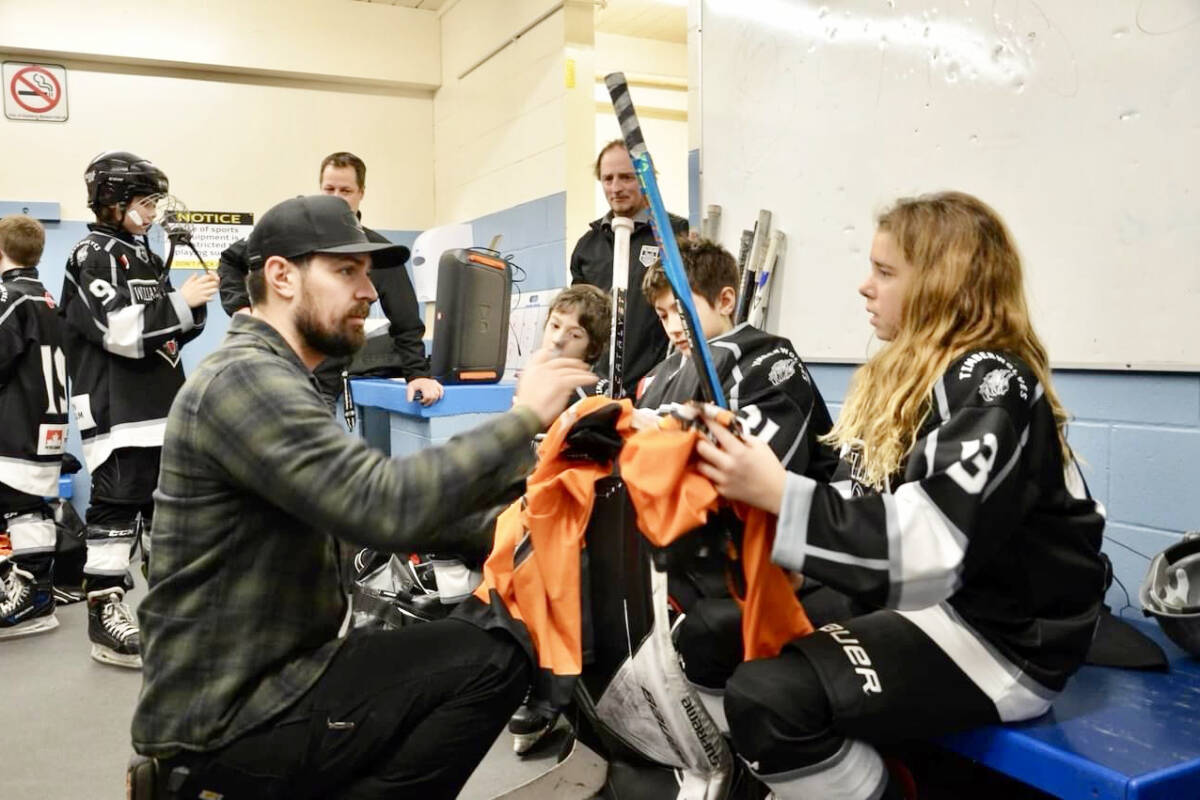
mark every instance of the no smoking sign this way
{"type": "Point", "coordinates": [35, 91]}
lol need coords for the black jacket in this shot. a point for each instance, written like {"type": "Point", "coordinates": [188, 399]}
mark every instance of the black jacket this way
{"type": "Point", "coordinates": [591, 262]}
{"type": "Point", "coordinates": [396, 297]}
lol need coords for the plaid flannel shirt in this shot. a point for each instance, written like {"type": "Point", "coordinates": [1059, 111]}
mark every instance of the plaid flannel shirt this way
{"type": "Point", "coordinates": [245, 600]}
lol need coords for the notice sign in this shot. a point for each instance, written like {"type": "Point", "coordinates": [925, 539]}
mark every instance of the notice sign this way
{"type": "Point", "coordinates": [35, 91]}
{"type": "Point", "coordinates": [212, 232]}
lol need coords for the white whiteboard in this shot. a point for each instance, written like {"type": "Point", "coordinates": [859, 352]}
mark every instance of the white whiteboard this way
{"type": "Point", "coordinates": [1078, 120]}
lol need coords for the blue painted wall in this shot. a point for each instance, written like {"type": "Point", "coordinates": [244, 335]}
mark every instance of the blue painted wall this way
{"type": "Point", "coordinates": [535, 238]}
{"type": "Point", "coordinates": [1138, 435]}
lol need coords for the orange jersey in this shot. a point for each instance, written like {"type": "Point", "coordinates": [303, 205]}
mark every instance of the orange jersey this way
{"type": "Point", "coordinates": [534, 568]}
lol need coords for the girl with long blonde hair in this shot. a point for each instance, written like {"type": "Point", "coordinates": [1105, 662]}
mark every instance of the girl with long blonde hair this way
{"type": "Point", "coordinates": [965, 521]}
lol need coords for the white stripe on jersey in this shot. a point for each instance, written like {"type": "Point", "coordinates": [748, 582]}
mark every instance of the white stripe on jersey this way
{"type": "Point", "coordinates": [124, 334]}
{"type": "Point", "coordinates": [736, 373]}
{"type": "Point", "coordinates": [791, 529]}
{"type": "Point", "coordinates": [799, 440]}
{"type": "Point", "coordinates": [939, 393]}
{"type": "Point", "coordinates": [31, 477]}
{"type": "Point", "coordinates": [21, 298]}
{"type": "Point", "coordinates": [925, 550]}
{"type": "Point", "coordinates": [999, 477]}
{"type": "Point", "coordinates": [1015, 694]}
{"type": "Point", "coordinates": [97, 449]}
{"type": "Point", "coordinates": [183, 311]}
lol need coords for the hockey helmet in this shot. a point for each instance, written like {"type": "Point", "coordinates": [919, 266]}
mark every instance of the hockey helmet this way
{"type": "Point", "coordinates": [115, 176]}
{"type": "Point", "coordinates": [1171, 592]}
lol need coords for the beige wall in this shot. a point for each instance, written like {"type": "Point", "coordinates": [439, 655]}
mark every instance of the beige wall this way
{"type": "Point", "coordinates": [335, 40]}
{"type": "Point", "coordinates": [658, 74]}
{"type": "Point", "coordinates": [499, 133]}
{"type": "Point", "coordinates": [236, 136]}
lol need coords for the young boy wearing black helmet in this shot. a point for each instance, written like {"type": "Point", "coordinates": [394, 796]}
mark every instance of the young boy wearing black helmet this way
{"type": "Point", "coordinates": [124, 326]}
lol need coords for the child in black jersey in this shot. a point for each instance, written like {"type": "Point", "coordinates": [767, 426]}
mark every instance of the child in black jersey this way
{"type": "Point", "coordinates": [124, 327]}
{"type": "Point", "coordinates": [764, 380]}
{"type": "Point", "coordinates": [33, 406]}
{"type": "Point", "coordinates": [967, 522]}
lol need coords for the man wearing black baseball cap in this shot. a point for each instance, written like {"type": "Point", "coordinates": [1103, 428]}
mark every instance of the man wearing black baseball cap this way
{"type": "Point", "coordinates": [249, 690]}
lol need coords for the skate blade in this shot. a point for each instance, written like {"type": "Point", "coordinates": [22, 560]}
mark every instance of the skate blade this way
{"type": "Point", "coordinates": [106, 656]}
{"type": "Point", "coordinates": [580, 775]}
{"type": "Point", "coordinates": [36, 625]}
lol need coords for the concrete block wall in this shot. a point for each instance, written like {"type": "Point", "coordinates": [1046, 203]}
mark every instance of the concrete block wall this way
{"type": "Point", "coordinates": [1138, 435]}
{"type": "Point", "coordinates": [534, 236]}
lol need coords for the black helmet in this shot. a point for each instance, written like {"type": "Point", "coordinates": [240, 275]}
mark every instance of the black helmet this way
{"type": "Point", "coordinates": [1171, 592]}
{"type": "Point", "coordinates": [114, 177]}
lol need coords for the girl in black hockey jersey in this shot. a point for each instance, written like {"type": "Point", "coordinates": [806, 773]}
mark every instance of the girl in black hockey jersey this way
{"type": "Point", "coordinates": [125, 325]}
{"type": "Point", "coordinates": [966, 522]}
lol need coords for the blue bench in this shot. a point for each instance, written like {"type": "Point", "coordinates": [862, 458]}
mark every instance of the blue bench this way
{"type": "Point", "coordinates": [1113, 734]}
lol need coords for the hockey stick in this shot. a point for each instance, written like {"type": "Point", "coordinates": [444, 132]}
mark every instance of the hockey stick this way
{"type": "Point", "coordinates": [762, 291]}
{"type": "Point", "coordinates": [622, 228]}
{"type": "Point", "coordinates": [710, 226]}
{"type": "Point", "coordinates": [668, 249]}
{"type": "Point", "coordinates": [762, 230]}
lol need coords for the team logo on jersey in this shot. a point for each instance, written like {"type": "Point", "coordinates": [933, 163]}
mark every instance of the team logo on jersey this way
{"type": "Point", "coordinates": [81, 252]}
{"type": "Point", "coordinates": [995, 384]}
{"type": "Point", "coordinates": [144, 291]}
{"type": "Point", "coordinates": [649, 255]}
{"type": "Point", "coordinates": [967, 370]}
{"type": "Point", "coordinates": [781, 371]}
{"type": "Point", "coordinates": [141, 252]}
{"type": "Point", "coordinates": [51, 439]}
{"type": "Point", "coordinates": [170, 352]}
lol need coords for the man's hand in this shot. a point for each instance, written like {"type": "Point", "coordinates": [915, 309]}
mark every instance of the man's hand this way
{"type": "Point", "coordinates": [431, 391]}
{"type": "Point", "coordinates": [199, 288]}
{"type": "Point", "coordinates": [547, 385]}
{"type": "Point", "coordinates": [745, 470]}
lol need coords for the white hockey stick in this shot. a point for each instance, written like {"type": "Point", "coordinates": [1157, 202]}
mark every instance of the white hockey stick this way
{"type": "Point", "coordinates": [622, 228]}
{"type": "Point", "coordinates": [762, 288]}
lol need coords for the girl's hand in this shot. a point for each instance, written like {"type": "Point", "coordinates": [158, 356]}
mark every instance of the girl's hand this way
{"type": "Point", "coordinates": [745, 470]}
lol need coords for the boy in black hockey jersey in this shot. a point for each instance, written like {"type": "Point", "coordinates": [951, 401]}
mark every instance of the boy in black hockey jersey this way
{"type": "Point", "coordinates": [967, 523]}
{"type": "Point", "coordinates": [124, 327]}
{"type": "Point", "coordinates": [766, 382]}
{"type": "Point", "coordinates": [33, 406]}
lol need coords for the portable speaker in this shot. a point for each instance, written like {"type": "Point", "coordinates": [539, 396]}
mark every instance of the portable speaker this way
{"type": "Point", "coordinates": [470, 329]}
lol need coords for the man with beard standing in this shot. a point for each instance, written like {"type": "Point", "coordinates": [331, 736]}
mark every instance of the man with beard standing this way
{"type": "Point", "coordinates": [249, 691]}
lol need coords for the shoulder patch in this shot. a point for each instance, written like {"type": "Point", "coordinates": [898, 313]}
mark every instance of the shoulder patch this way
{"type": "Point", "coordinates": [781, 370]}
{"type": "Point", "coordinates": [995, 384]}
{"type": "Point", "coordinates": [786, 364]}
{"type": "Point", "coordinates": [995, 372]}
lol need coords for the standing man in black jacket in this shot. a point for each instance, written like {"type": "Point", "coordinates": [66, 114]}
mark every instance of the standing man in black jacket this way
{"type": "Point", "coordinates": [345, 175]}
{"type": "Point", "coordinates": [592, 260]}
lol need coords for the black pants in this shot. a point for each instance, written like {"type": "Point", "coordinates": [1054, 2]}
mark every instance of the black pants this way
{"type": "Point", "coordinates": [399, 714]}
{"type": "Point", "coordinates": [123, 486]}
{"type": "Point", "coordinates": [122, 497]}
{"type": "Point", "coordinates": [876, 678]}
